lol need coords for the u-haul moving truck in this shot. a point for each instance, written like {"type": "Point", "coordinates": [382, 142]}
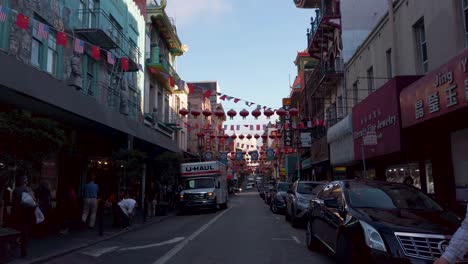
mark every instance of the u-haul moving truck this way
{"type": "Point", "coordinates": [205, 185]}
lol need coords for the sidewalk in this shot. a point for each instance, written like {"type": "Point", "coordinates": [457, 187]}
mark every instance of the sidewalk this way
{"type": "Point", "coordinates": [42, 249]}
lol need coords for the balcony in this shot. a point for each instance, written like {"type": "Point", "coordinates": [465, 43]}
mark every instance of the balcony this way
{"type": "Point", "coordinates": [324, 75]}
{"type": "Point", "coordinates": [327, 19]}
{"type": "Point", "coordinates": [95, 26]}
{"type": "Point", "coordinates": [159, 62]}
{"type": "Point", "coordinates": [307, 3]}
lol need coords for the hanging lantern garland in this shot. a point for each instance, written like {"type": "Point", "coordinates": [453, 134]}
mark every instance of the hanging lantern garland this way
{"type": "Point", "coordinates": [232, 113]}
{"type": "Point", "coordinates": [241, 136]}
{"type": "Point", "coordinates": [219, 113]}
{"type": "Point", "coordinates": [256, 136]}
{"type": "Point", "coordinates": [281, 112]}
{"type": "Point", "coordinates": [195, 113]}
{"type": "Point", "coordinates": [244, 113]}
{"type": "Point", "coordinates": [233, 136]}
{"type": "Point", "coordinates": [183, 112]}
{"type": "Point", "coordinates": [256, 113]}
{"type": "Point", "coordinates": [293, 112]}
{"type": "Point", "coordinates": [268, 113]}
{"type": "Point", "coordinates": [207, 113]}
{"type": "Point", "coordinates": [249, 136]}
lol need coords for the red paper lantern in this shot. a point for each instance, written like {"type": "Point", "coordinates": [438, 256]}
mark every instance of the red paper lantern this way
{"type": "Point", "coordinates": [256, 113]}
{"type": "Point", "coordinates": [272, 136]}
{"type": "Point", "coordinates": [200, 134]}
{"type": "Point", "coordinates": [293, 112]}
{"type": "Point", "coordinates": [219, 112]}
{"type": "Point", "coordinates": [256, 136]}
{"type": "Point", "coordinates": [249, 136]}
{"type": "Point", "coordinates": [264, 136]}
{"type": "Point", "coordinates": [281, 112]}
{"type": "Point", "coordinates": [279, 135]}
{"type": "Point", "coordinates": [183, 112]}
{"type": "Point", "coordinates": [232, 113]}
{"type": "Point", "coordinates": [207, 113]}
{"type": "Point", "coordinates": [241, 136]}
{"type": "Point", "coordinates": [220, 136]}
{"type": "Point", "coordinates": [233, 136]}
{"type": "Point", "coordinates": [212, 136]}
{"type": "Point", "coordinates": [195, 113]}
{"type": "Point", "coordinates": [226, 136]}
{"type": "Point", "coordinates": [244, 113]}
{"type": "Point", "coordinates": [268, 113]}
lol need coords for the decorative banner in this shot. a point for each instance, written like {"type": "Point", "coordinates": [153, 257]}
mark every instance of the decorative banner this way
{"type": "Point", "coordinates": [270, 154]}
{"type": "Point", "coordinates": [254, 155]}
{"type": "Point", "coordinates": [239, 156]}
{"type": "Point", "coordinates": [209, 156]}
{"type": "Point", "coordinates": [223, 157]}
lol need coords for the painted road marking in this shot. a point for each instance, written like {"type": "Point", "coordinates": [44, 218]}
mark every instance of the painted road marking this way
{"type": "Point", "coordinates": [101, 251]}
{"type": "Point", "coordinates": [170, 254]}
{"type": "Point", "coordinates": [296, 239]}
{"type": "Point", "coordinates": [98, 252]}
{"type": "Point", "coordinates": [172, 241]}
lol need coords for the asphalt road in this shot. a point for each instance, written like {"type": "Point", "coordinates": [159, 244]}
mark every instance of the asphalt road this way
{"type": "Point", "coordinates": [246, 232]}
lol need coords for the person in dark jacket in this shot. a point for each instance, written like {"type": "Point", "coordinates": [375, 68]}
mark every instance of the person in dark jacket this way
{"type": "Point", "coordinates": [23, 217]}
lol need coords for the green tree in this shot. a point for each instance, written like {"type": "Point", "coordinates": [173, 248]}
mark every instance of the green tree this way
{"type": "Point", "coordinates": [25, 141]}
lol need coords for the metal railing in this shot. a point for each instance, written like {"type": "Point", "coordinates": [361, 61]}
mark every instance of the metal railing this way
{"type": "Point", "coordinates": [98, 19]}
{"type": "Point", "coordinates": [156, 57]}
{"type": "Point", "coordinates": [328, 9]}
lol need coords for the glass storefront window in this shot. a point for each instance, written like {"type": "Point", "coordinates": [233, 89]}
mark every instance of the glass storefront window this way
{"type": "Point", "coordinates": [459, 140]}
{"type": "Point", "coordinates": [404, 173]}
{"type": "Point", "coordinates": [429, 178]}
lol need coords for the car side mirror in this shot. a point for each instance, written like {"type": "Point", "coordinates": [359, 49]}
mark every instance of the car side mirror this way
{"type": "Point", "coordinates": [331, 203]}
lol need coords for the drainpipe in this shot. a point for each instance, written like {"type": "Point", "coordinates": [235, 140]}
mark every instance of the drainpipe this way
{"type": "Point", "coordinates": [391, 21]}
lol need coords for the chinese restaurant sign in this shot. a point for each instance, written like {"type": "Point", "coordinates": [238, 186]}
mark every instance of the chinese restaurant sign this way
{"type": "Point", "coordinates": [442, 91]}
{"type": "Point", "coordinates": [379, 114]}
{"type": "Point", "coordinates": [288, 133]}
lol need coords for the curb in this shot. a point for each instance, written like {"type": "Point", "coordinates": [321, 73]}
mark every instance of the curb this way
{"type": "Point", "coordinates": [43, 259]}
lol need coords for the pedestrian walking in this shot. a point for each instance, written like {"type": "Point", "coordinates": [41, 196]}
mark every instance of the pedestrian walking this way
{"type": "Point", "coordinates": [126, 210]}
{"type": "Point", "coordinates": [90, 195]}
{"type": "Point", "coordinates": [458, 245]}
{"type": "Point", "coordinates": [22, 214]}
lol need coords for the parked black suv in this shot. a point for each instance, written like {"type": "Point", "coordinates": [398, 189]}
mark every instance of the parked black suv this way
{"type": "Point", "coordinates": [379, 222]}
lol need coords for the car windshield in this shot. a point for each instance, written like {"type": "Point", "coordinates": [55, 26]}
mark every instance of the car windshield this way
{"type": "Point", "coordinates": [199, 183]}
{"type": "Point", "coordinates": [283, 187]}
{"type": "Point", "coordinates": [394, 196]}
{"type": "Point", "coordinates": [308, 187]}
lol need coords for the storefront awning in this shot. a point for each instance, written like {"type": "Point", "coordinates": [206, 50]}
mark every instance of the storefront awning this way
{"type": "Point", "coordinates": [340, 138]}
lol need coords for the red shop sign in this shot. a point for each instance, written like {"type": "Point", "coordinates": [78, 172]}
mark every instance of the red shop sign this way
{"type": "Point", "coordinates": [442, 91]}
{"type": "Point", "coordinates": [379, 114]}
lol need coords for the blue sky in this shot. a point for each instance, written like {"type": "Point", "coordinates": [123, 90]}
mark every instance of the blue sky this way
{"type": "Point", "coordinates": [248, 46]}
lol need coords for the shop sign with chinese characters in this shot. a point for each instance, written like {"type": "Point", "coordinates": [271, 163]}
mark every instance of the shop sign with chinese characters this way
{"type": "Point", "coordinates": [442, 91]}
{"type": "Point", "coordinates": [378, 115]}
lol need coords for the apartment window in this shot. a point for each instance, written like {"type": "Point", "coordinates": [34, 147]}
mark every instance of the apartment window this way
{"type": "Point", "coordinates": [465, 16]}
{"type": "Point", "coordinates": [355, 93]}
{"type": "Point", "coordinates": [421, 44]}
{"type": "Point", "coordinates": [90, 76]}
{"type": "Point", "coordinates": [81, 7]}
{"type": "Point", "coordinates": [91, 13]}
{"type": "Point", "coordinates": [166, 109]}
{"type": "Point", "coordinates": [36, 52]}
{"type": "Point", "coordinates": [370, 79]}
{"type": "Point", "coordinates": [388, 56]}
{"type": "Point", "coordinates": [52, 55]}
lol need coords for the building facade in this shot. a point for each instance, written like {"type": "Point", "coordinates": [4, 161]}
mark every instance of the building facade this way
{"type": "Point", "coordinates": [407, 79]}
{"type": "Point", "coordinates": [85, 69]}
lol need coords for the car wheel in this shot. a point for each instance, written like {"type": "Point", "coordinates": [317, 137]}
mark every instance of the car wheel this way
{"type": "Point", "coordinates": [273, 208]}
{"type": "Point", "coordinates": [294, 220]}
{"type": "Point", "coordinates": [286, 216]}
{"type": "Point", "coordinates": [311, 241]}
{"type": "Point", "coordinates": [348, 251]}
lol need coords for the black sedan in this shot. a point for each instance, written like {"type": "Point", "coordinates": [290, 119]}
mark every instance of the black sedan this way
{"type": "Point", "coordinates": [379, 222]}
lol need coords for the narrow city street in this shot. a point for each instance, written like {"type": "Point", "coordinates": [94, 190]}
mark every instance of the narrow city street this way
{"type": "Point", "coordinates": [246, 232]}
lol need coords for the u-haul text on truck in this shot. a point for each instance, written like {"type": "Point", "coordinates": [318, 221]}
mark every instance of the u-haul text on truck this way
{"type": "Point", "coordinates": [205, 185]}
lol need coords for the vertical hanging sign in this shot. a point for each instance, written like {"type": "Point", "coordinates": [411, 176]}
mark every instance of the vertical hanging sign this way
{"type": "Point", "coordinates": [288, 135]}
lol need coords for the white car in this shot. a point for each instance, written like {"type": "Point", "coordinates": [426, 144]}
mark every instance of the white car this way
{"type": "Point", "coordinates": [249, 187]}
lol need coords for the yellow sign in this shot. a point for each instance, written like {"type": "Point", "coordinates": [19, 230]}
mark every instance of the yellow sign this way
{"type": "Point", "coordinates": [286, 101]}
